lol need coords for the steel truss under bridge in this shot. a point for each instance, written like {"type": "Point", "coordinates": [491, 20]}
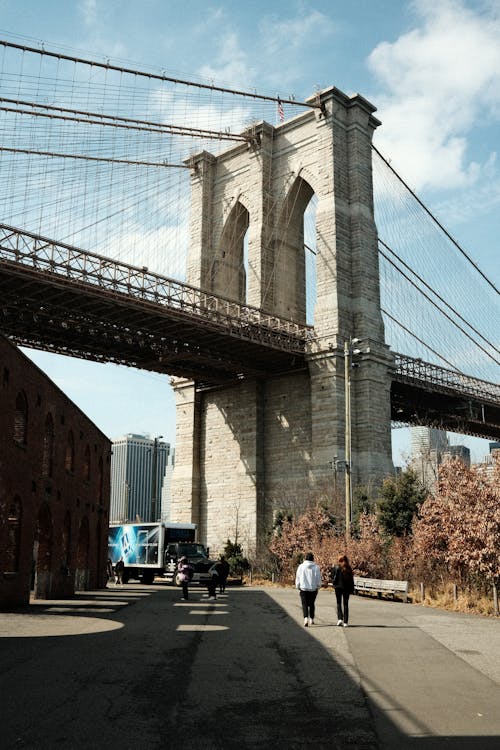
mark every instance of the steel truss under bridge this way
{"type": "Point", "coordinates": [426, 394]}
{"type": "Point", "coordinates": [62, 299]}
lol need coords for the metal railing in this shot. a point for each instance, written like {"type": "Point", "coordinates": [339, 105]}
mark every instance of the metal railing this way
{"type": "Point", "coordinates": [65, 261]}
{"type": "Point", "coordinates": [44, 255]}
{"type": "Point", "coordinates": [417, 371]}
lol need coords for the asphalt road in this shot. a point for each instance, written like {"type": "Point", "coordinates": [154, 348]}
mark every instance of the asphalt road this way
{"type": "Point", "coordinates": [134, 668]}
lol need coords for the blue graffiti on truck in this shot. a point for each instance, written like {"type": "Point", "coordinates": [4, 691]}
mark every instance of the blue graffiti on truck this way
{"type": "Point", "coordinates": [137, 545]}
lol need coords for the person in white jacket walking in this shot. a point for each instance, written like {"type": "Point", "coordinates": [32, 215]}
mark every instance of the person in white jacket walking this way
{"type": "Point", "coordinates": [308, 581]}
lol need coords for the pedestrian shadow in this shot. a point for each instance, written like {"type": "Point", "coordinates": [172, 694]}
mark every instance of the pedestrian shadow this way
{"type": "Point", "coordinates": [380, 626]}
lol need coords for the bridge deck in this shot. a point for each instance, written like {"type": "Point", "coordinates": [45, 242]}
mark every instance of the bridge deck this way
{"type": "Point", "coordinates": [58, 298]}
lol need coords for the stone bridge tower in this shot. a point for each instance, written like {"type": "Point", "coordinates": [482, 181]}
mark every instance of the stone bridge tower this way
{"type": "Point", "coordinates": [247, 450]}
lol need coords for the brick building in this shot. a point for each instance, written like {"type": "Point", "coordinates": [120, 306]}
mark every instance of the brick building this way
{"type": "Point", "coordinates": [54, 488]}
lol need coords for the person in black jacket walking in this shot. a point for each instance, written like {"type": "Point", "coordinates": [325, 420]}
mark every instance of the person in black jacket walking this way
{"type": "Point", "coordinates": [343, 583]}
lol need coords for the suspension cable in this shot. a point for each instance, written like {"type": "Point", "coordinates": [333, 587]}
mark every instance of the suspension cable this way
{"type": "Point", "coordinates": [157, 76]}
{"type": "Point", "coordinates": [92, 158]}
{"type": "Point", "coordinates": [441, 299]}
{"type": "Point", "coordinates": [158, 127]}
{"type": "Point", "coordinates": [435, 220]}
{"type": "Point", "coordinates": [437, 307]}
{"type": "Point", "coordinates": [421, 341]}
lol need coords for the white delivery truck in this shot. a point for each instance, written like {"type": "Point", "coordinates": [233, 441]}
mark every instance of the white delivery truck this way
{"type": "Point", "coordinates": [151, 550]}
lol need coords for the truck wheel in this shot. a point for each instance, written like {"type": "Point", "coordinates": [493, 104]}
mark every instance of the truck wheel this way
{"type": "Point", "coordinates": [148, 577]}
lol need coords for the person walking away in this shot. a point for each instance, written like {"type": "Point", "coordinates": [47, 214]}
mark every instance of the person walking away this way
{"type": "Point", "coordinates": [223, 570]}
{"type": "Point", "coordinates": [185, 571]}
{"type": "Point", "coordinates": [119, 568]}
{"type": "Point", "coordinates": [343, 583]}
{"type": "Point", "coordinates": [308, 582]}
{"type": "Point", "coordinates": [213, 580]}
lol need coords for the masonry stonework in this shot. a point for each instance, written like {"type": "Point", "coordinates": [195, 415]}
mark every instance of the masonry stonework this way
{"type": "Point", "coordinates": [247, 450]}
{"type": "Point", "coordinates": [54, 488]}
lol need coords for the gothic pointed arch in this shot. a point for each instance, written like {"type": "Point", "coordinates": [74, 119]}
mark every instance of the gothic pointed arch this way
{"type": "Point", "coordinates": [289, 283]}
{"type": "Point", "coordinates": [228, 270]}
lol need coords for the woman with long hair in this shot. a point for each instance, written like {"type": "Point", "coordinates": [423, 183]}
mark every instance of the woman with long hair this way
{"type": "Point", "coordinates": [343, 583]}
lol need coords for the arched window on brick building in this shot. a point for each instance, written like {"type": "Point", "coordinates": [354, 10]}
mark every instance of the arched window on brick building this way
{"type": "Point", "coordinates": [48, 447]}
{"type": "Point", "coordinates": [86, 463]}
{"type": "Point", "coordinates": [69, 462]}
{"type": "Point", "coordinates": [13, 546]}
{"type": "Point", "coordinates": [21, 419]}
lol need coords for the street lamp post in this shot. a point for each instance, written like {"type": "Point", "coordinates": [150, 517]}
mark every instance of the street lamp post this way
{"type": "Point", "coordinates": [127, 496]}
{"type": "Point", "coordinates": [348, 365]}
{"type": "Point", "coordinates": [154, 478]}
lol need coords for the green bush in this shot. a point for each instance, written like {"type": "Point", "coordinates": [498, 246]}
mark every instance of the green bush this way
{"type": "Point", "coordinates": [238, 565]}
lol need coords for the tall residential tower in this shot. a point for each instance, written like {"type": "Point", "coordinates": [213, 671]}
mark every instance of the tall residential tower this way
{"type": "Point", "coordinates": [137, 471]}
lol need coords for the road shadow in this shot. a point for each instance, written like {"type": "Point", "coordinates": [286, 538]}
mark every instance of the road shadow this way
{"type": "Point", "coordinates": [236, 674]}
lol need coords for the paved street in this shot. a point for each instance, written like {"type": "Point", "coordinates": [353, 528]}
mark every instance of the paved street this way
{"type": "Point", "coordinates": [133, 667]}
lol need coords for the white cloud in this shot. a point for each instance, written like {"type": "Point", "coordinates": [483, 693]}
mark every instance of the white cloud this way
{"type": "Point", "coordinates": [278, 50]}
{"type": "Point", "coordinates": [88, 11]}
{"type": "Point", "coordinates": [231, 65]}
{"type": "Point", "coordinates": [95, 33]}
{"type": "Point", "coordinates": [173, 108]}
{"type": "Point", "coordinates": [441, 79]}
{"type": "Point", "coordinates": [288, 45]}
{"type": "Point", "coordinates": [292, 34]}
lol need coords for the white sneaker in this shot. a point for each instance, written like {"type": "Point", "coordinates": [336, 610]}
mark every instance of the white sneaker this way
{"type": "Point", "coordinates": [345, 625]}
{"type": "Point", "coordinates": [311, 621]}
{"type": "Point", "coordinates": [211, 598]}
{"type": "Point", "coordinates": [306, 621]}
{"type": "Point", "coordinates": [339, 623]}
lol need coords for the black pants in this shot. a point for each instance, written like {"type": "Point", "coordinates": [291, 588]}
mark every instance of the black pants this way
{"type": "Point", "coordinates": [185, 594]}
{"type": "Point", "coordinates": [308, 599]}
{"type": "Point", "coordinates": [342, 598]}
{"type": "Point", "coordinates": [211, 587]}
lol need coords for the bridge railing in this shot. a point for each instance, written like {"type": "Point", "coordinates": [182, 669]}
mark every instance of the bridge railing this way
{"type": "Point", "coordinates": [416, 370]}
{"type": "Point", "coordinates": [66, 261]}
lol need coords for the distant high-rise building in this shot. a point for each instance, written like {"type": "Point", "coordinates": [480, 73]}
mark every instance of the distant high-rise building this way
{"type": "Point", "coordinates": [427, 445]}
{"type": "Point", "coordinates": [137, 470]}
{"type": "Point", "coordinates": [166, 490]}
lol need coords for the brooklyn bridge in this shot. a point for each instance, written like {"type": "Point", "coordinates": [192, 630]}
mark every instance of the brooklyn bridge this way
{"type": "Point", "coordinates": [285, 276]}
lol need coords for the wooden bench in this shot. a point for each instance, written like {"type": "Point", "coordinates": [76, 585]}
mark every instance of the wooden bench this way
{"type": "Point", "coordinates": [380, 586]}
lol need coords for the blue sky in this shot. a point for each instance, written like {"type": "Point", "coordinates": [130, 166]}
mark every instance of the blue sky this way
{"type": "Point", "coordinates": [432, 68]}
